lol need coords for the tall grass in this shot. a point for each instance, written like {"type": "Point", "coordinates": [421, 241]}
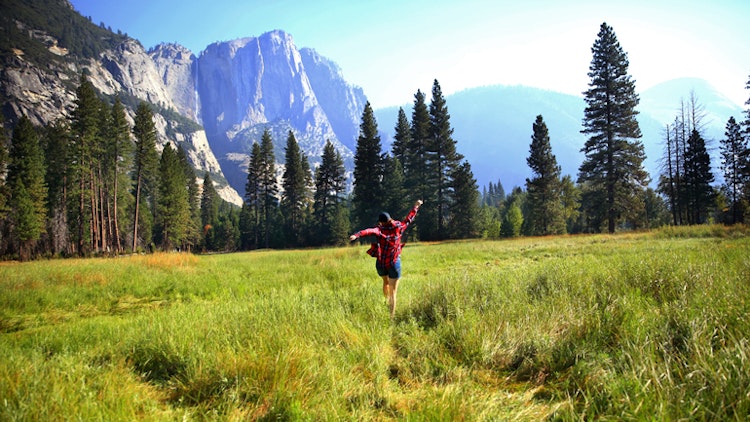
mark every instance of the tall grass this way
{"type": "Point", "coordinates": [637, 326]}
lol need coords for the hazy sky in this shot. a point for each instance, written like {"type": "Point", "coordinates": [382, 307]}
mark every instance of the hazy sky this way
{"type": "Point", "coordinates": [391, 48]}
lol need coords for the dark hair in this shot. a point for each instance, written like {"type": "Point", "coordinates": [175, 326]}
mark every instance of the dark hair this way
{"type": "Point", "coordinates": [384, 217]}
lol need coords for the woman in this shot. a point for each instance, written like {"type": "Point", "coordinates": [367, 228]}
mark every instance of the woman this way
{"type": "Point", "coordinates": [387, 250]}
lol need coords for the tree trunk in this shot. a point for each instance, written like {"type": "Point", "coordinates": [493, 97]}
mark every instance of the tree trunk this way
{"type": "Point", "coordinates": [81, 211]}
{"type": "Point", "coordinates": [137, 206]}
{"type": "Point", "coordinates": [117, 243]}
{"type": "Point", "coordinates": [95, 230]}
{"type": "Point", "coordinates": [103, 211]}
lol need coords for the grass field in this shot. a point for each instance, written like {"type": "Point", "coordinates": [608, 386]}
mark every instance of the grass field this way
{"type": "Point", "coordinates": [641, 326]}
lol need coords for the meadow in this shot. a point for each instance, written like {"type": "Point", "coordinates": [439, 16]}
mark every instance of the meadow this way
{"type": "Point", "coordinates": [638, 326]}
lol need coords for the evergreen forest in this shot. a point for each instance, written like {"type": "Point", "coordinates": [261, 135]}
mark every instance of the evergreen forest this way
{"type": "Point", "coordinates": [93, 184]}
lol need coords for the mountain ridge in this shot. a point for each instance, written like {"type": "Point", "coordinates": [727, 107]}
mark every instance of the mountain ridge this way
{"type": "Point", "coordinates": [237, 89]}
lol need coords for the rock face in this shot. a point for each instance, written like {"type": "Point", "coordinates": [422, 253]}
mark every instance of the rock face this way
{"type": "Point", "coordinates": [128, 68]}
{"type": "Point", "coordinates": [342, 102]}
{"type": "Point", "coordinates": [249, 85]}
{"type": "Point", "coordinates": [254, 80]}
{"type": "Point", "coordinates": [174, 64]}
{"type": "Point", "coordinates": [40, 94]}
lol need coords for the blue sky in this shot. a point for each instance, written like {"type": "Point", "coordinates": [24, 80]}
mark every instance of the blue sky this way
{"type": "Point", "coordinates": [391, 48]}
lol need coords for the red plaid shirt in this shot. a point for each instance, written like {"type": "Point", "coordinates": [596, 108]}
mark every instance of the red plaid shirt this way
{"type": "Point", "coordinates": [389, 238]}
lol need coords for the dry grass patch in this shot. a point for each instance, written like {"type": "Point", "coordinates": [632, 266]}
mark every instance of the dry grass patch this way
{"type": "Point", "coordinates": [164, 260]}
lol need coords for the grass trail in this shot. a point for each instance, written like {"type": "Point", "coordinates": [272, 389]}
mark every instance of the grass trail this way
{"type": "Point", "coordinates": [635, 326]}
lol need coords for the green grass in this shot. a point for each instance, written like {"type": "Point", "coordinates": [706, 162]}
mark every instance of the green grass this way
{"type": "Point", "coordinates": [625, 327]}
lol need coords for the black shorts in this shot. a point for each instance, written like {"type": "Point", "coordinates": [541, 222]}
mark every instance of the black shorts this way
{"type": "Point", "coordinates": [393, 272]}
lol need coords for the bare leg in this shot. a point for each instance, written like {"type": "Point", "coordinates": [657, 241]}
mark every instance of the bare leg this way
{"type": "Point", "coordinates": [392, 288]}
{"type": "Point", "coordinates": [385, 286]}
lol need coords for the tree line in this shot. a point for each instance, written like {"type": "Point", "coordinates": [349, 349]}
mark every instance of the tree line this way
{"type": "Point", "coordinates": [308, 209]}
{"type": "Point", "coordinates": [91, 184]}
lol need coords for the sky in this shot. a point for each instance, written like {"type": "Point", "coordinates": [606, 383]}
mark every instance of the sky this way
{"type": "Point", "coordinates": [392, 48]}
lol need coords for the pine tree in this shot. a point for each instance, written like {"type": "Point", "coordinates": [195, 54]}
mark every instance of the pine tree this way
{"type": "Point", "coordinates": [28, 192]}
{"type": "Point", "coordinates": [85, 123]}
{"type": "Point", "coordinates": [415, 166]}
{"type": "Point", "coordinates": [402, 138]}
{"type": "Point", "coordinates": [543, 189]}
{"type": "Point", "coordinates": [209, 212]}
{"type": "Point", "coordinates": [464, 209]}
{"type": "Point", "coordinates": [656, 213]}
{"type": "Point", "coordinates": [395, 198]}
{"type": "Point", "coordinates": [269, 186]}
{"type": "Point", "coordinates": [613, 163]}
{"type": "Point", "coordinates": [261, 190]}
{"type": "Point", "coordinates": [145, 166]}
{"type": "Point", "coordinates": [57, 144]}
{"type": "Point", "coordinates": [489, 222]}
{"type": "Point", "coordinates": [228, 227]}
{"type": "Point", "coordinates": [698, 179]}
{"type": "Point", "coordinates": [307, 210]}
{"type": "Point", "coordinates": [193, 229]}
{"type": "Point", "coordinates": [443, 160]}
{"type": "Point", "coordinates": [328, 210]}
{"type": "Point", "coordinates": [173, 203]}
{"type": "Point", "coordinates": [734, 156]}
{"type": "Point", "coordinates": [494, 194]}
{"type": "Point", "coordinates": [248, 237]}
{"type": "Point", "coordinates": [101, 185]}
{"type": "Point", "coordinates": [120, 162]}
{"type": "Point", "coordinates": [672, 183]}
{"type": "Point", "coordinates": [296, 196]}
{"type": "Point", "coordinates": [367, 195]}
{"type": "Point", "coordinates": [395, 180]}
{"type": "Point", "coordinates": [512, 210]}
{"type": "Point", "coordinates": [251, 216]}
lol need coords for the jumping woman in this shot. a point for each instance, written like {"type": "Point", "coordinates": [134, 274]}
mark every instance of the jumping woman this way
{"type": "Point", "coordinates": [387, 250]}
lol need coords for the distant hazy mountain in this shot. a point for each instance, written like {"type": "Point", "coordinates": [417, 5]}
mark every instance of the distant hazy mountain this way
{"type": "Point", "coordinates": [662, 101]}
{"type": "Point", "coordinates": [661, 104]}
{"type": "Point", "coordinates": [493, 125]}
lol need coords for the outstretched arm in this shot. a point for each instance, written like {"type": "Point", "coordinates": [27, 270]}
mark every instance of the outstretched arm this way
{"type": "Point", "coordinates": [413, 213]}
{"type": "Point", "coordinates": [363, 233]}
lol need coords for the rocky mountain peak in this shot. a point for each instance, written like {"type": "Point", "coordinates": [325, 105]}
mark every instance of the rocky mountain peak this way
{"type": "Point", "coordinates": [128, 68]}
{"type": "Point", "coordinates": [171, 51]}
{"type": "Point", "coordinates": [174, 64]}
{"type": "Point", "coordinates": [248, 85]}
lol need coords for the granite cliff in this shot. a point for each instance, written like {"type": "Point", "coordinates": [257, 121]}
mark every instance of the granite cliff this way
{"type": "Point", "coordinates": [248, 85]}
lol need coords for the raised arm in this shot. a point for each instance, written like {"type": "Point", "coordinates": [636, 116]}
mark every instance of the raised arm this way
{"type": "Point", "coordinates": [413, 213]}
